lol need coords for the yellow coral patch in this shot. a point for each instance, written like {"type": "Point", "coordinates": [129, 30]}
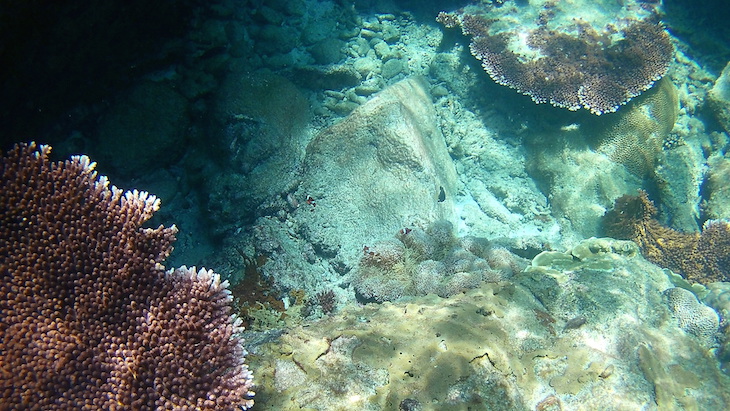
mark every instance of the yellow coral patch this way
{"type": "Point", "coordinates": [635, 134]}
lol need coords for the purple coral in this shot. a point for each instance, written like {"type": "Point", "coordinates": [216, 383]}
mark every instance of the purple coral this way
{"type": "Point", "coordinates": [90, 317]}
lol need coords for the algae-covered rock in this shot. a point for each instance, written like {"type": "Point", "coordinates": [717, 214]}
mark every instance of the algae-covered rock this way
{"type": "Point", "coordinates": [603, 339]}
{"type": "Point", "coordinates": [592, 279]}
{"type": "Point", "coordinates": [593, 253]}
{"type": "Point", "coordinates": [717, 187]}
{"type": "Point", "coordinates": [719, 98]}
{"type": "Point", "coordinates": [431, 351]}
{"type": "Point", "coordinates": [383, 168]}
{"type": "Point", "coordinates": [594, 249]}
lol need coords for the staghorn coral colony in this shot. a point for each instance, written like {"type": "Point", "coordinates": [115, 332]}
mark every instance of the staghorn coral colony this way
{"type": "Point", "coordinates": [90, 317]}
{"type": "Point", "coordinates": [701, 257]}
{"type": "Point", "coordinates": [418, 205]}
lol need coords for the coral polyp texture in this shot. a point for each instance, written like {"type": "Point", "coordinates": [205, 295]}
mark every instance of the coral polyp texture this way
{"type": "Point", "coordinates": [692, 316]}
{"type": "Point", "coordinates": [635, 136]}
{"type": "Point", "coordinates": [594, 56]}
{"type": "Point", "coordinates": [700, 257]}
{"type": "Point", "coordinates": [90, 317]}
{"type": "Point", "coordinates": [431, 261]}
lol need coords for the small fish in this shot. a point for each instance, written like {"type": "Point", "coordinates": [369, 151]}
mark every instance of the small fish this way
{"type": "Point", "coordinates": [574, 323]}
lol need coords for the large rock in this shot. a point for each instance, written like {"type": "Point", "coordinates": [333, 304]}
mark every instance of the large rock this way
{"type": "Point", "coordinates": [719, 98]}
{"type": "Point", "coordinates": [379, 170]}
{"type": "Point", "coordinates": [383, 168]}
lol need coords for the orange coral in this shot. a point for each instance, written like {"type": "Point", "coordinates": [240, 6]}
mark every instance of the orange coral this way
{"type": "Point", "coordinates": [703, 258]}
{"type": "Point", "coordinates": [254, 292]}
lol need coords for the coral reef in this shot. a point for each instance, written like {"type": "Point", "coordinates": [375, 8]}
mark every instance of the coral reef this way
{"type": "Point", "coordinates": [90, 317]}
{"type": "Point", "coordinates": [587, 164]}
{"type": "Point", "coordinates": [719, 98]}
{"type": "Point", "coordinates": [603, 339]}
{"type": "Point", "coordinates": [431, 261]}
{"type": "Point", "coordinates": [692, 316]}
{"type": "Point", "coordinates": [635, 136]}
{"type": "Point", "coordinates": [575, 66]}
{"type": "Point", "coordinates": [719, 299]}
{"type": "Point", "coordinates": [326, 300]}
{"type": "Point", "coordinates": [253, 295]}
{"type": "Point", "coordinates": [702, 258]}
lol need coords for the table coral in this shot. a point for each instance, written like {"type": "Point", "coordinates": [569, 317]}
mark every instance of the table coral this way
{"type": "Point", "coordinates": [702, 258]}
{"type": "Point", "coordinates": [565, 60]}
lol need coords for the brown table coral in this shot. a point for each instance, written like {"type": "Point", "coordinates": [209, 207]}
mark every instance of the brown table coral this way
{"type": "Point", "coordinates": [559, 57]}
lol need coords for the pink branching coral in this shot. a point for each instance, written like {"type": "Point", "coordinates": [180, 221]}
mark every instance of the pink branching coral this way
{"type": "Point", "coordinates": [90, 319]}
{"type": "Point", "coordinates": [584, 69]}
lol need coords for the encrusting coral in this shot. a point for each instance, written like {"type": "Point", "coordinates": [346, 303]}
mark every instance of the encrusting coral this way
{"type": "Point", "coordinates": [570, 67]}
{"type": "Point", "coordinates": [637, 134]}
{"type": "Point", "coordinates": [90, 319]}
{"type": "Point", "coordinates": [692, 316]}
{"type": "Point", "coordinates": [431, 261]}
{"type": "Point", "coordinates": [702, 258]}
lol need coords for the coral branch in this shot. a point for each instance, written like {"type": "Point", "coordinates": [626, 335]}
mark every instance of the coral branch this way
{"type": "Point", "coordinates": [90, 318]}
{"type": "Point", "coordinates": [702, 258]}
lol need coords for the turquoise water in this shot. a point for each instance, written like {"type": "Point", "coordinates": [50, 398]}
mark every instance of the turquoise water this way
{"type": "Point", "coordinates": [420, 199]}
